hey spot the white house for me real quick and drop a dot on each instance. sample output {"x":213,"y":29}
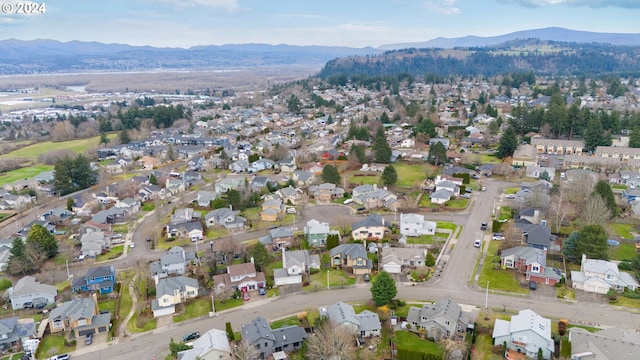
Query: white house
{"x":416,"y":225}
{"x":526,"y":333}
{"x":211,"y":345}
{"x":171,"y":291}
{"x":29,"y":290}
{"x":295,"y":264}
{"x":599,"y":276}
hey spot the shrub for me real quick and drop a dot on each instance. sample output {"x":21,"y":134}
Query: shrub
{"x":624,"y":265}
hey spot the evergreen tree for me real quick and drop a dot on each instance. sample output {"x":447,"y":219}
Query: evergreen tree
{"x":260,"y":256}
{"x":508,"y":143}
{"x":383,"y":289}
{"x":591,"y":240}
{"x":18,"y":262}
{"x":229,"y":331}
{"x":104,"y":139}
{"x":604,"y":191}
{"x":171,"y":155}
{"x":332,"y":241}
{"x":153,"y":180}
{"x":42,"y":240}
{"x":70,"y":203}
{"x":381,"y":147}
{"x":429,"y":260}
{"x":124,"y":137}
{"x":437,"y":154}
{"x":73,"y":174}
{"x":634,"y":138}
{"x":389,"y":175}
{"x":330,"y":174}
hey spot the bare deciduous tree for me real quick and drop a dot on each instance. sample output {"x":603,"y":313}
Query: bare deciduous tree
{"x":454,"y":350}
{"x":330,"y":342}
{"x":595,"y":211}
{"x":245,"y":351}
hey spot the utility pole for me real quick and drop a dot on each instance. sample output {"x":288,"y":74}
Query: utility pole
{"x":486,"y":300}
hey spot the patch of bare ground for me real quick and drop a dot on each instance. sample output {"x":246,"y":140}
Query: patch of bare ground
{"x":172,"y":81}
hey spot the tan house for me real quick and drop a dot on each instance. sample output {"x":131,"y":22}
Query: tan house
{"x":557,"y":147}
{"x":171,"y":291}
{"x":325,"y":192}
{"x":371,"y":228}
{"x":525,"y":155}
{"x":351,"y":257}
{"x":80,"y":316}
{"x":271,"y":209}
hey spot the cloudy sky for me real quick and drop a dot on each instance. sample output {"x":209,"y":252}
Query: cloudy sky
{"x":357,"y":23}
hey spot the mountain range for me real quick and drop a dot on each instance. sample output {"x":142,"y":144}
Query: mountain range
{"x":51,"y":56}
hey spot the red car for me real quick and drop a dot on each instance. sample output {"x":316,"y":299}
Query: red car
{"x":245,"y":296}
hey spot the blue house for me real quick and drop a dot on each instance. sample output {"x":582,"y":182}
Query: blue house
{"x":631,"y":194}
{"x":101,"y":278}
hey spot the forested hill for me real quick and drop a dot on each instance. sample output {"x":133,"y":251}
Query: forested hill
{"x":541,"y":57}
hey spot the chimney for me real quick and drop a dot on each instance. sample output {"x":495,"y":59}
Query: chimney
{"x":284,"y":261}
{"x":543,"y":223}
{"x":584,"y":258}
{"x":252,"y":260}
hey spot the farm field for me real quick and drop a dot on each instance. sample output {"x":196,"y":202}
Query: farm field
{"x":31,"y":152}
{"x":23,"y":173}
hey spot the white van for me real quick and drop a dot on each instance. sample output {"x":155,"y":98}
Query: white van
{"x":348,"y":201}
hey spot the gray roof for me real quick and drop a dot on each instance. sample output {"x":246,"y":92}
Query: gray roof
{"x":535,"y":234}
{"x":529,"y":254}
{"x":30,"y":285}
{"x":341,"y":313}
{"x":213,"y":339}
{"x":445,"y":308}
{"x":168,"y":286}
{"x":369,"y":221}
{"x":368,"y":321}
{"x":75,"y":309}
{"x":351,"y":250}
{"x":288,"y":335}
{"x":258,"y":329}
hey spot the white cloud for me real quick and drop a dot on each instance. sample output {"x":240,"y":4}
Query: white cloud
{"x":444,"y":7}
{"x":629,"y":4}
{"x":225,"y":5}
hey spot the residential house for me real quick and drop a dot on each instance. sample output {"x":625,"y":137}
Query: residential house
{"x":277,"y":238}
{"x":440,"y":196}
{"x":536,"y":171}
{"x":416,"y":225}
{"x":526,"y":333}
{"x":15,"y":202}
{"x":14,"y":331}
{"x":444,"y":319}
{"x":373,"y":198}
{"x":525,"y":155}
{"x":271,"y":210}
{"x":192,"y":230}
{"x":79,"y":316}
{"x":226,"y":218}
{"x":129,"y":205}
{"x":449,"y":185}
{"x":267,"y":341}
{"x":529,"y":214}
{"x":287,"y":165}
{"x":239,"y":166}
{"x":531,"y":262}
{"x":174,"y":262}
{"x":536,"y":235}
{"x":56,"y":215}
{"x":365,"y":324}
{"x":394,"y":260}
{"x":29,"y":291}
{"x":226,"y":184}
{"x":94,"y":243}
{"x":243,"y":277}
{"x":325,"y":192}
{"x":303,"y":178}
{"x":373,"y":227}
{"x":351,"y":257}
{"x":316,"y":233}
{"x":260,"y":182}
{"x":111,"y":215}
{"x":609,"y":343}
{"x":294,"y":265}
{"x":212,"y":345}
{"x":181,"y":216}
{"x":99,"y":278}
{"x":290,"y":195}
{"x":262,"y":164}
{"x":151,"y":192}
{"x":558,"y":147}
{"x":442,"y":140}
{"x":204,"y":198}
{"x":600,"y":276}
{"x":171,"y":291}
{"x":148,"y":162}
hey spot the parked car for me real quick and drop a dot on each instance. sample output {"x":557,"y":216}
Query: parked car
{"x":116,"y":236}
{"x":510,"y":196}
{"x":60,"y":357}
{"x":477,"y":243}
{"x":191,"y":336}
{"x":262,"y":291}
{"x":498,"y":236}
{"x":367,"y":277}
{"x":245,"y":296}
{"x":533,"y":285}
{"x":483,"y":227}
{"x":291,"y":210}
{"x":88,"y":340}
{"x":132,"y":245}
{"x":27,"y":305}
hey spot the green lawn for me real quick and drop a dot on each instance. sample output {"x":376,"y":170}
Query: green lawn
{"x":364,"y":178}
{"x":23,"y":173}
{"x":291,"y":320}
{"x":626,"y":302}
{"x":14,"y":356}
{"x":489,"y":159}
{"x":113,"y":253}
{"x":446,"y":225}
{"x":505,"y":213}
{"x":622,"y":230}
{"x":163,"y":244}
{"x":427,"y":239}
{"x":216,"y":233}
{"x":63,"y":285}
{"x":409,"y":340}
{"x":51,"y":345}
{"x":511,"y":190}
{"x":502,"y":280}
{"x":622,"y":252}
{"x":412,"y":175}
{"x":126,"y":303}
{"x":31,"y":152}
{"x":482,"y":348}
{"x":109,"y":305}
{"x":619,"y":187}
{"x":336,"y":278}
{"x":229,"y":304}
{"x":147,"y":324}
{"x":148,"y":206}
{"x":194,"y":308}
{"x":457,"y":203}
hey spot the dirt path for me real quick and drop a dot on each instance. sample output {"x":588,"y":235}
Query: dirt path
{"x":134,"y":306}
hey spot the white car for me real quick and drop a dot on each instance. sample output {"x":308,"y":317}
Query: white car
{"x":132,"y":245}
{"x":477,"y":243}
{"x":291,"y":210}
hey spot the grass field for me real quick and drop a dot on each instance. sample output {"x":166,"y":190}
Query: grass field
{"x":622,"y":230}
{"x":511,"y":190}
{"x":51,"y":345}
{"x":428,"y":239}
{"x":193,"y":309}
{"x":457,"y":203}
{"x":115,"y":252}
{"x":412,"y":175}
{"x":408,"y":340}
{"x":31,"y":152}
{"x":336,"y":278}
{"x":446,"y":225}
{"x":502,"y":280}
{"x":23,"y":173}
{"x":622,"y":252}
{"x":369,"y":178}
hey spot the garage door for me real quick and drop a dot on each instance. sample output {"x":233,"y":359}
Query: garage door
{"x":86,"y":332}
